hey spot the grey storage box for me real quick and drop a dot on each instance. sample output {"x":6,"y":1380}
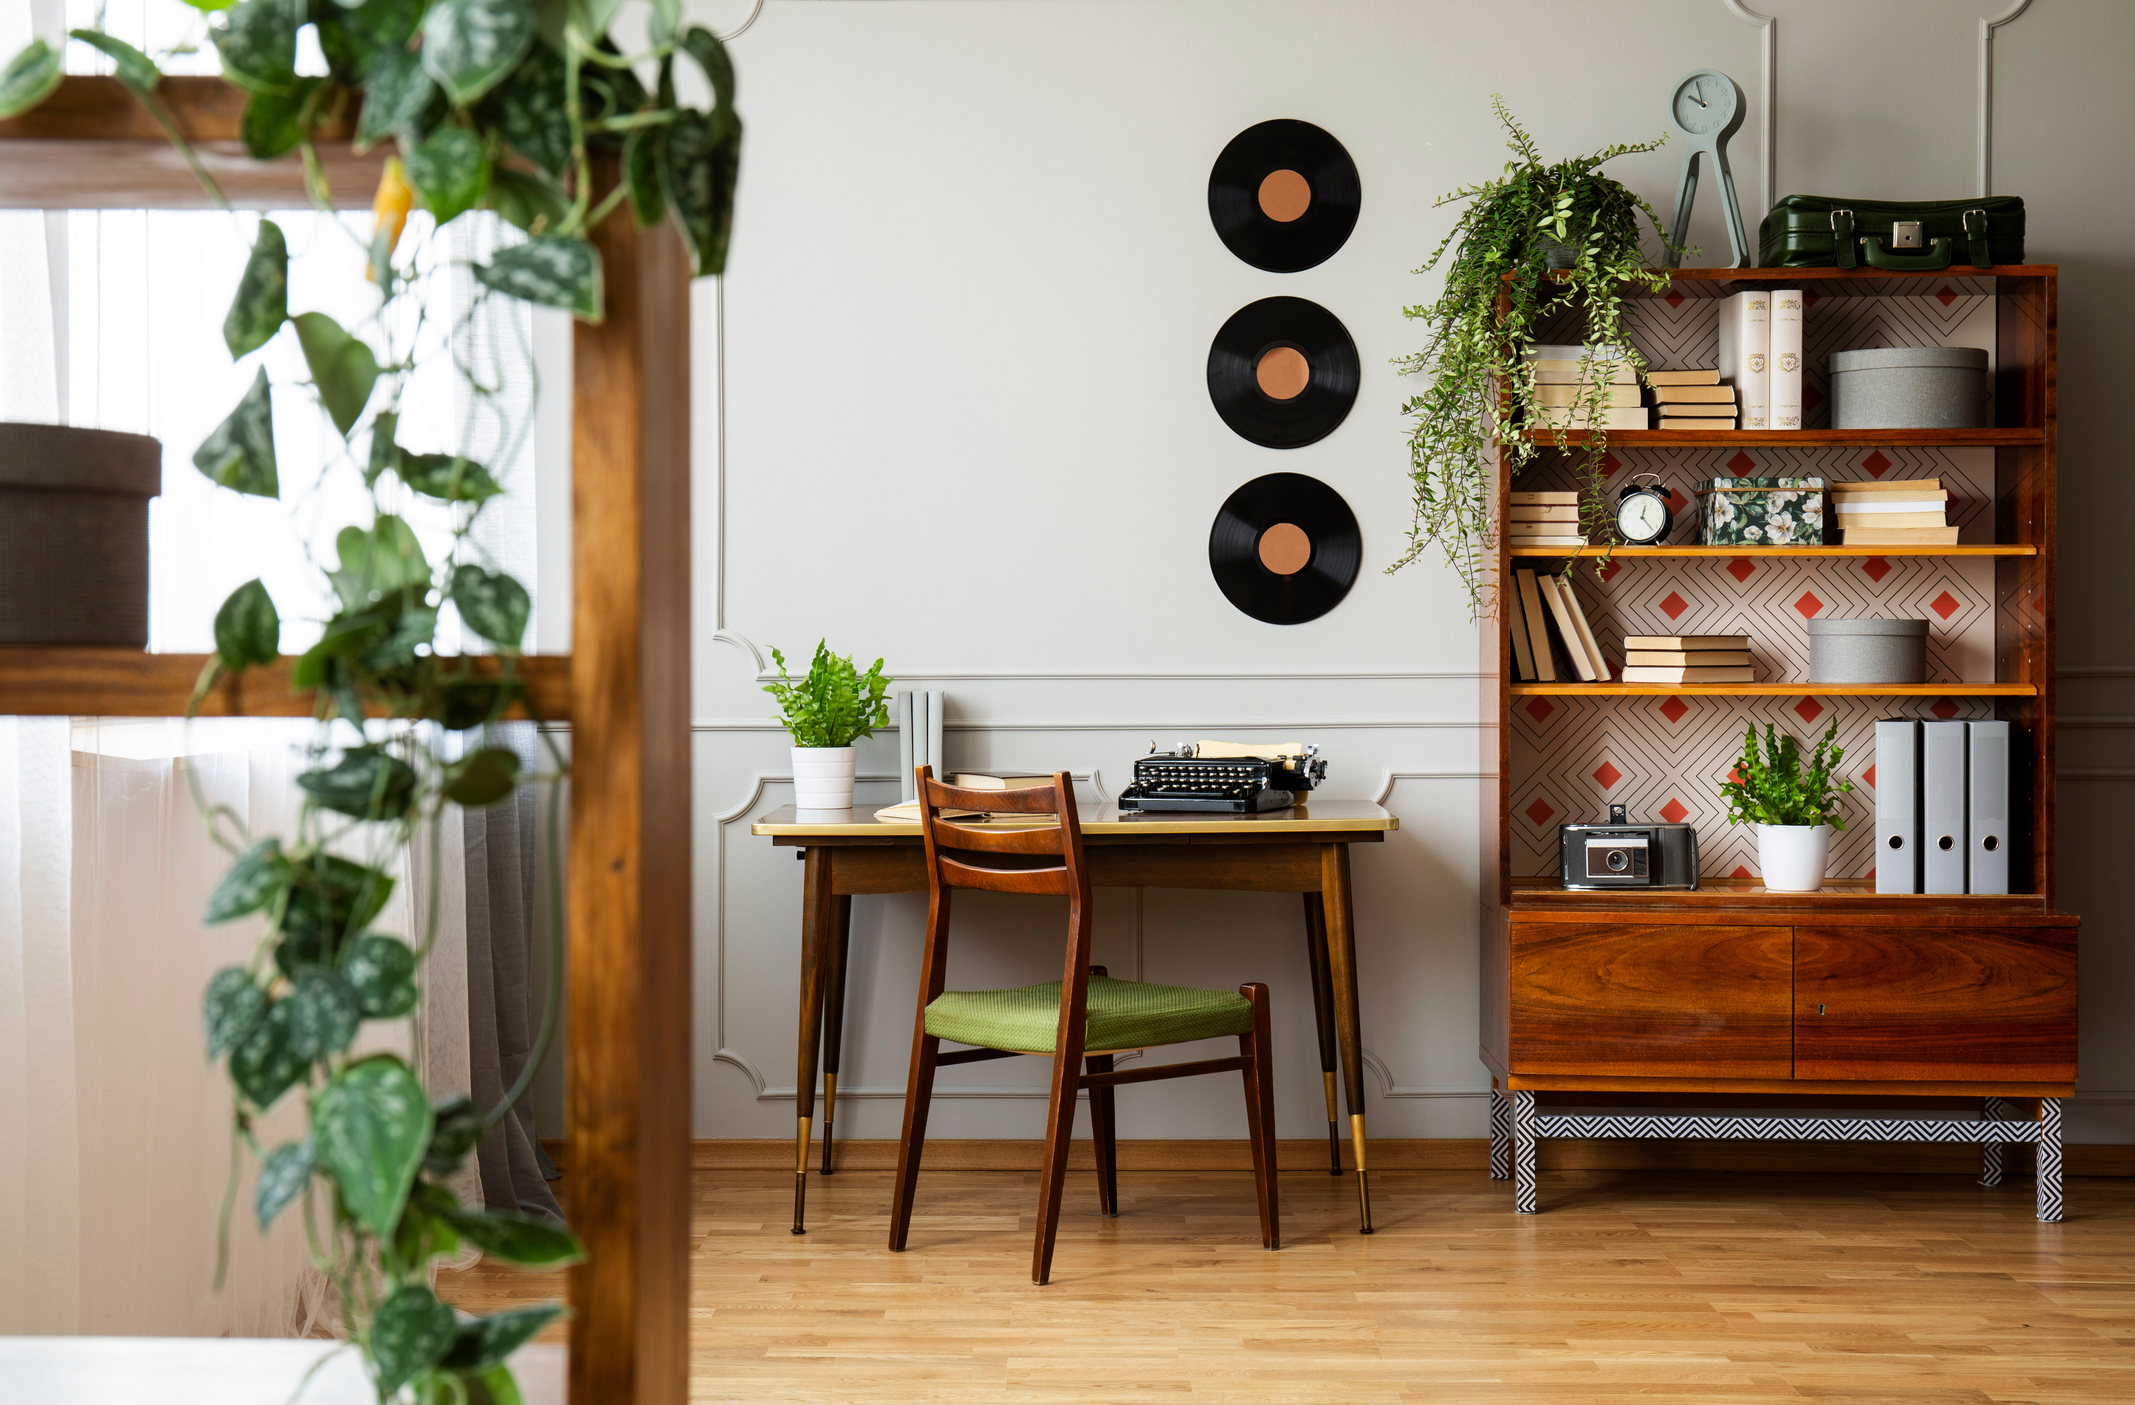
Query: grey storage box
{"x":1868,"y":651}
{"x":1909,"y":387}
{"x":74,"y":534}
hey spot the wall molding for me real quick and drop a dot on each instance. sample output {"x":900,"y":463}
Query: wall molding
{"x":1987,"y":27}
{"x":1130,"y":725}
{"x":2095,"y":670}
{"x":1767,"y":100}
{"x":2094,"y":773}
{"x":1389,"y":777}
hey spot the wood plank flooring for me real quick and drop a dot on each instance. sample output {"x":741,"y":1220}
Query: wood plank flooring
{"x":1846,"y":1289}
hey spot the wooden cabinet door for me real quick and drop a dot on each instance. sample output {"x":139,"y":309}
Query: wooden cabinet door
{"x":1970,"y":1003}
{"x":1626,"y":1001}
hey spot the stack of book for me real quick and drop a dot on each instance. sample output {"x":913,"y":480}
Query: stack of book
{"x":1761,"y":355}
{"x":1547,"y":624}
{"x":1687,"y":658}
{"x":1543,"y":522}
{"x":1565,"y":392}
{"x":1910,"y":513}
{"x":1692,"y":399}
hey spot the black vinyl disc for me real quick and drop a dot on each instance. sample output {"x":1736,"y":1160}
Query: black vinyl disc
{"x":1285,"y":548}
{"x":1283,"y":372}
{"x":1284,"y":195}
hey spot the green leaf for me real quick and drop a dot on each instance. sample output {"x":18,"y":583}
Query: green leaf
{"x":209,"y":7}
{"x":273,"y":123}
{"x":470,"y":702}
{"x":447,"y":477}
{"x":470,"y":45}
{"x":330,"y":900}
{"x":381,"y":970}
{"x":262,"y":301}
{"x":529,"y":202}
{"x":644,"y":156}
{"x":352,"y":38}
{"x":265,"y":1064}
{"x":483,"y":778}
{"x":247,"y":629}
{"x":384,"y":451}
{"x":367,"y":783}
{"x":529,"y":110}
{"x":490,"y":1341}
{"x":370,"y":1126}
{"x":417,"y":626}
{"x":396,"y":97}
{"x":491,"y":604}
{"x":343,"y":370}
{"x":549,"y":270}
{"x":258,"y":44}
{"x":422,"y":1236}
{"x":379,"y":562}
{"x":29,"y":78}
{"x":494,"y":1386}
{"x":711,"y":56}
{"x":135,"y":69}
{"x":409,"y":1334}
{"x":703,"y":160}
{"x":282,"y":1177}
{"x":458,"y":1128}
{"x":325,"y":1013}
{"x":450,"y":172}
{"x":250,"y":883}
{"x":518,"y":1239}
{"x":240,"y":453}
{"x":666,"y":18}
{"x":227,"y":1011}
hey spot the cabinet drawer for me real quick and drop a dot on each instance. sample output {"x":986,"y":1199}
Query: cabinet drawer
{"x":1655,"y":1002}
{"x":1913,"y":1002}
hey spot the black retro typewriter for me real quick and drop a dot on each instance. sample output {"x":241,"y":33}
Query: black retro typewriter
{"x":1223,"y":777}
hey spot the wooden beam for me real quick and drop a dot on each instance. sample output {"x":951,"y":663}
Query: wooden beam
{"x":628,"y":1059}
{"x":97,"y":682}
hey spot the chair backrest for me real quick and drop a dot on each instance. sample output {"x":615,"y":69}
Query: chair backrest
{"x":1044,"y":859}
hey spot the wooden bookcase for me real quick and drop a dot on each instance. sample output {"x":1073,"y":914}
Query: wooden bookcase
{"x":1733,"y":993}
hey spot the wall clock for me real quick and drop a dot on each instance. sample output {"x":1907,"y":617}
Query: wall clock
{"x":1707,"y":109}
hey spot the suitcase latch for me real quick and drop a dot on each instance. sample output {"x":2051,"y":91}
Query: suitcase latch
{"x":1907,"y":234}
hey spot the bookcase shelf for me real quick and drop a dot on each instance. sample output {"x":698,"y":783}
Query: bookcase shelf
{"x":92,"y":681}
{"x":1796,"y":438}
{"x":1727,"y":552}
{"x":1775,"y":690}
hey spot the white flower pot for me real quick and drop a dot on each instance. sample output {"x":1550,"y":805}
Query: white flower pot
{"x":1791,"y":857}
{"x":823,"y":777}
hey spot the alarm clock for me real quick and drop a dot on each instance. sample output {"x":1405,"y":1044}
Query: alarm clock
{"x":1706,"y":107}
{"x":1643,"y":516}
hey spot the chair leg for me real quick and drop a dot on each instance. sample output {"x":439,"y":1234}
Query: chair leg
{"x":1258,"y":1049}
{"x":918,"y":1094}
{"x":1104,"y":1139}
{"x":1052,"y":1176}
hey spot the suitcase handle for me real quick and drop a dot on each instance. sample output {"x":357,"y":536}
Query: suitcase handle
{"x":1937,"y":256}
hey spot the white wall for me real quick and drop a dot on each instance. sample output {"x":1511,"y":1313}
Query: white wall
{"x":971,"y":294}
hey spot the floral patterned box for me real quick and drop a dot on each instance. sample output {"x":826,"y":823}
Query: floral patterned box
{"x":1761,"y":512}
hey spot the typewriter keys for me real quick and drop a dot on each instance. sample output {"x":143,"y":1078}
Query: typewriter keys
{"x":1283,"y":372}
{"x":1285,"y":548}
{"x":1284,"y":195}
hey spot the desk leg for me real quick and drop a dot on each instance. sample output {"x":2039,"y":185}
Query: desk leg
{"x":1323,"y":1019}
{"x":834,"y":1016}
{"x":1342,"y":966}
{"x":818,"y":918}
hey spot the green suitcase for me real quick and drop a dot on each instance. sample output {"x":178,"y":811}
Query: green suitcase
{"x":1816,"y":231}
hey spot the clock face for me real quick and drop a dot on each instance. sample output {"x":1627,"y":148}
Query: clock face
{"x":1641,"y":517}
{"x":1704,"y":102}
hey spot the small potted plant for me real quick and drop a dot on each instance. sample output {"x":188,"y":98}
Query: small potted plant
{"x":1795,"y":808}
{"x":827,"y":709}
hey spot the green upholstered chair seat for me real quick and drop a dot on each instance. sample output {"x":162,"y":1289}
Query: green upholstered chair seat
{"x":1123,"y":1015}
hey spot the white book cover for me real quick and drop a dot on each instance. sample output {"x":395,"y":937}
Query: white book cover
{"x":1745,"y":346}
{"x":1786,"y":356}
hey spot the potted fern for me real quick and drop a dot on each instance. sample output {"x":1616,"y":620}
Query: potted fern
{"x":829,"y":708}
{"x":1795,"y":807}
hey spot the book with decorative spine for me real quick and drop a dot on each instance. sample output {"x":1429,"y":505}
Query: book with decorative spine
{"x":1745,"y":347}
{"x":1786,"y":354}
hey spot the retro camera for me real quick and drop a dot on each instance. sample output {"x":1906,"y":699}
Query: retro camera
{"x":1624,"y":855}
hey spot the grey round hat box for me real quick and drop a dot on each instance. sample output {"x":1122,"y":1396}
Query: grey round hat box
{"x":1868,"y":651}
{"x":74,"y":534}
{"x":1909,"y":387}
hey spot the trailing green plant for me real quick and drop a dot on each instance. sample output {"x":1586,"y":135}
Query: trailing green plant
{"x":1499,"y":287}
{"x":833,"y":703}
{"x":1774,"y":787}
{"x":491,"y":104}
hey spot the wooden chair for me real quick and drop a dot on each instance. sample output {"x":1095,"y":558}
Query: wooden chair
{"x":1085,"y":1017}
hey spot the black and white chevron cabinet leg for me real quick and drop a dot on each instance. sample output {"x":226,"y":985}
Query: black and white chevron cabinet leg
{"x":1500,"y":1135}
{"x":1524,"y":1131}
{"x":1991,"y":1169}
{"x":2050,"y":1160}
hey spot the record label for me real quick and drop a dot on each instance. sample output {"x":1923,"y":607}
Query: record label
{"x":1284,"y":195}
{"x":1285,"y":548}
{"x":1283,"y":372}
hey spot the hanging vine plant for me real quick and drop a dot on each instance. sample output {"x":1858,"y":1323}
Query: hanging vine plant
{"x":1552,"y":239}
{"x":489,"y":104}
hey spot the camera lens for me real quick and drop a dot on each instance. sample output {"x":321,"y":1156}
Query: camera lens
{"x":1618,"y":861}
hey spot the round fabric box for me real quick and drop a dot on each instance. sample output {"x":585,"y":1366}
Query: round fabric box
{"x":1868,"y":651}
{"x":74,"y":534}
{"x":1909,"y":387}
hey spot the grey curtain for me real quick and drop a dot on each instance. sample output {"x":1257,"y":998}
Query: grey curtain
{"x":507,"y":970}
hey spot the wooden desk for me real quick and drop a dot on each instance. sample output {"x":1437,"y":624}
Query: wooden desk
{"x":1304,"y":850}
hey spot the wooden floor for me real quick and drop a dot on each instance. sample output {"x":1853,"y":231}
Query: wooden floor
{"x":1629,"y":1285}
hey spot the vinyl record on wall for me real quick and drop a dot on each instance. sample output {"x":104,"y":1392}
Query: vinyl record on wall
{"x":1284,"y":195}
{"x":1283,"y":372}
{"x":1285,"y":548}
